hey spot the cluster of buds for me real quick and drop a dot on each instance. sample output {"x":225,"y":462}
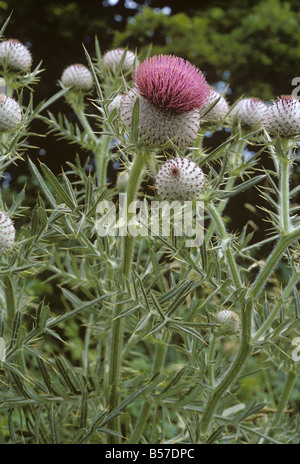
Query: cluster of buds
{"x":171,"y":92}
{"x":78,"y":77}
{"x":7,"y":234}
{"x":179,"y":179}
{"x":15,"y":56}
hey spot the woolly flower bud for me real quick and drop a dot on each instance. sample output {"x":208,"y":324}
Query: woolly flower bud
{"x":16,"y":55}
{"x":219,"y":111}
{"x":112,"y":59}
{"x":10,"y":113}
{"x":7,"y":234}
{"x":171,"y":83}
{"x":179,"y":179}
{"x":283,"y":117}
{"x":78,"y":76}
{"x":249,"y":111}
{"x":229,"y":320}
{"x":158,"y":126}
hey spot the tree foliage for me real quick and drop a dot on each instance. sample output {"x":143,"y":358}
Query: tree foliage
{"x":260,"y":45}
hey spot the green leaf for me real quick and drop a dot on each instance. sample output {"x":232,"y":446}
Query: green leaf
{"x":42,"y":184}
{"x":57,"y":187}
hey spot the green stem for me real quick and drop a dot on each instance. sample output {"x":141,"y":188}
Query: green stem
{"x":102,"y":158}
{"x":211,"y":355}
{"x":287,"y":390}
{"x":161,"y":349}
{"x":284,"y":196}
{"x":220,"y":208}
{"x":116,"y":338}
{"x":284,"y":295}
{"x":232,"y":373}
{"x":225,"y":239}
{"x":271,"y":263}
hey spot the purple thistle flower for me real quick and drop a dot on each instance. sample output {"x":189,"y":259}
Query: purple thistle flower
{"x":172,"y":83}
{"x":170,"y":92}
{"x":283,"y":117}
{"x":158,"y":126}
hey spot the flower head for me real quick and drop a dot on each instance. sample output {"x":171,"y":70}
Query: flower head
{"x":171,"y":83}
{"x":15,"y":55}
{"x":283,"y":117}
{"x":78,"y":76}
{"x":249,"y":111}
{"x":158,"y":126}
{"x":170,"y":92}
{"x":229,"y":320}
{"x":7,"y":234}
{"x":113,"y":58}
{"x":219,"y":111}
{"x":179,"y":179}
{"x":10,"y":113}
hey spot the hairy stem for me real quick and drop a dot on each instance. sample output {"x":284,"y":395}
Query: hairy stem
{"x":116,"y":338}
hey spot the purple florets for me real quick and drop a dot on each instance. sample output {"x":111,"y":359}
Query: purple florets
{"x":171,"y":83}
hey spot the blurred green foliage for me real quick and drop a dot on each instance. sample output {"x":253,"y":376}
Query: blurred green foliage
{"x":258,"y":43}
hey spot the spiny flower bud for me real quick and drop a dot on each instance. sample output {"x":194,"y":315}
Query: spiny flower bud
{"x":7,"y":234}
{"x":179,"y":179}
{"x":218,"y":112}
{"x":170,"y":92}
{"x":78,"y":76}
{"x":10,"y":113}
{"x":229,"y":320}
{"x":16,"y":55}
{"x":283,"y":117}
{"x":113,"y":58}
{"x":249,"y":111}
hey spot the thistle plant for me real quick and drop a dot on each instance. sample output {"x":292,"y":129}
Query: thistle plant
{"x":113,"y":331}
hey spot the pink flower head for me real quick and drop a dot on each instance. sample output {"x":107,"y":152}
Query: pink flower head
{"x":283,"y":117}
{"x":171,"y":83}
{"x":170,"y":92}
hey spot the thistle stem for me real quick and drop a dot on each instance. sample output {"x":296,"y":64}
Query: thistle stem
{"x":225,"y":240}
{"x":287,"y":390}
{"x":116,"y":338}
{"x":161,"y":349}
{"x":284,"y":200}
